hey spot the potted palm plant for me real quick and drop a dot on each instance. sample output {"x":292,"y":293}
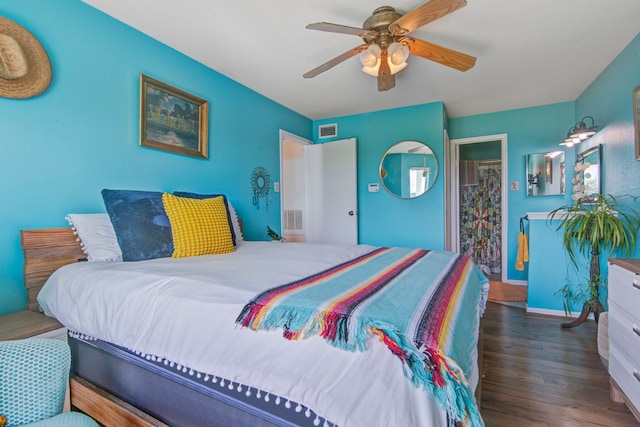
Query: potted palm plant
{"x":591,"y":225}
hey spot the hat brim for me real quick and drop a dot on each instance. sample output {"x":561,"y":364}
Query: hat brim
{"x":38,"y":76}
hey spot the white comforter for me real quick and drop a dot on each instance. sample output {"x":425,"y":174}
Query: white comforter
{"x":184,"y":310}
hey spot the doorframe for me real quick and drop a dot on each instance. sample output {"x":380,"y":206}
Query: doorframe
{"x":453,"y":201}
{"x":285,"y":135}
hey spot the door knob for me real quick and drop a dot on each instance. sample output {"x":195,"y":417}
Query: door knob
{"x":352,"y":213}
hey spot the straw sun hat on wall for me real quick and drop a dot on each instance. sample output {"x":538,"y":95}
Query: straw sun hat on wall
{"x":25,"y":70}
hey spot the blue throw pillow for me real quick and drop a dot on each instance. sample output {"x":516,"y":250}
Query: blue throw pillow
{"x":209,"y":196}
{"x":140,"y":222}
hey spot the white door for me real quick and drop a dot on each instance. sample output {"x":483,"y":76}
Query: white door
{"x":332,"y":195}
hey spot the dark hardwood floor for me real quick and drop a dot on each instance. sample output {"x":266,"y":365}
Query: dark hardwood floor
{"x":537,"y":374}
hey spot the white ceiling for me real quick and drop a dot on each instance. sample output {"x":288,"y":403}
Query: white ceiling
{"x":529,"y":52}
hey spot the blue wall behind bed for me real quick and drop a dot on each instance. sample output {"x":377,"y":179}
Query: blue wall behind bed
{"x":61,"y":148}
{"x":382,"y":218}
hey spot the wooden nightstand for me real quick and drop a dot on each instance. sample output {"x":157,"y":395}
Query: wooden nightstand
{"x":28,"y":324}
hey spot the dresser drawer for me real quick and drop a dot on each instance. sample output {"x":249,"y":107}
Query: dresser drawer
{"x":626,"y":375}
{"x":624,"y":331}
{"x":624,"y":289}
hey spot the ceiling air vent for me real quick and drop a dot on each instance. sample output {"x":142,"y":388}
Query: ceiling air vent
{"x":328,"y":131}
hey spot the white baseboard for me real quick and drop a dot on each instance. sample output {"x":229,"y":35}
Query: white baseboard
{"x":555,"y":313}
{"x":518,"y":282}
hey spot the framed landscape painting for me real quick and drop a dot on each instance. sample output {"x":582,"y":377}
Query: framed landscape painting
{"x":172,"y":119}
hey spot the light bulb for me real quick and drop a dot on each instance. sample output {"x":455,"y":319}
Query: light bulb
{"x":398,"y":53}
{"x":370,"y":57}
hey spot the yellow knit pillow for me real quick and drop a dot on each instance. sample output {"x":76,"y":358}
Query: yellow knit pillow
{"x":198,"y":226}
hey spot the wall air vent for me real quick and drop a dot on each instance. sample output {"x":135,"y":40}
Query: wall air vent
{"x":328,"y":131}
{"x":293,"y":220}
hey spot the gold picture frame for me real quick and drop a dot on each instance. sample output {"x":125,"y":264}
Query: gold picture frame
{"x":172,"y":119}
{"x":636,"y":120}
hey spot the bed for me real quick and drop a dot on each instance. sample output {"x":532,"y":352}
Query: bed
{"x":166,"y":335}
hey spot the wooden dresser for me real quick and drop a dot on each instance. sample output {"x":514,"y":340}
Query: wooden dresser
{"x":624,"y":331}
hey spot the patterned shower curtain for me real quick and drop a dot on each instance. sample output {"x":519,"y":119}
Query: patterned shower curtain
{"x":481,"y":214}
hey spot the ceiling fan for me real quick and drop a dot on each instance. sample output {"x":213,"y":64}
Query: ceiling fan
{"x":386,"y":43}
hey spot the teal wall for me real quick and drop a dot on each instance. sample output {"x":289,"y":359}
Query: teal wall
{"x":382,"y":218}
{"x":609,"y":101}
{"x":529,"y":130}
{"x":61,"y":148}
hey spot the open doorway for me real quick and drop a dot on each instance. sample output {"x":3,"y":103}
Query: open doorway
{"x":318,"y":190}
{"x":478,"y":201}
{"x":294,"y":186}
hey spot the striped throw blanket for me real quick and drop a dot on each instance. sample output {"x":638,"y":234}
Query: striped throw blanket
{"x":424,"y":305}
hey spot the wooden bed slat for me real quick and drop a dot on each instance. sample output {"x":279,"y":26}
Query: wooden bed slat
{"x":48,"y":238}
{"x":106,"y":408}
{"x":37,"y":272}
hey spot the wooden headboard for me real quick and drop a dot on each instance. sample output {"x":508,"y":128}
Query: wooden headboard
{"x":46,"y":250}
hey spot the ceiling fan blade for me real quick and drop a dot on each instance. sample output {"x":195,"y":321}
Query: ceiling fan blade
{"x":343,"y":29}
{"x":421,"y":15}
{"x":439,"y":54}
{"x":335,"y":61}
{"x":386,"y":80}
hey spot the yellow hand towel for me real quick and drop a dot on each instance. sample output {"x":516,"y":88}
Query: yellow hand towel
{"x":522,"y":244}
{"x":525,"y":245}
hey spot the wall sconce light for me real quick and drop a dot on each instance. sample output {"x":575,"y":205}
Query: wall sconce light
{"x":535,"y":179}
{"x":580,"y":132}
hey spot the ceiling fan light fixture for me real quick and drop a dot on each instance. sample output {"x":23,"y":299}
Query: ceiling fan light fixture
{"x":396,"y":58}
{"x":370,"y":57}
{"x":372,"y":71}
{"x":385,"y":36}
{"x":395,"y":68}
{"x":398,"y":54}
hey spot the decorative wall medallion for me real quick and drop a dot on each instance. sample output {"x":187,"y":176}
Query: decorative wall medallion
{"x":261,"y":186}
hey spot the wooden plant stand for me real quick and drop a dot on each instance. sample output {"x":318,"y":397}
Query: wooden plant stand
{"x":593,"y":305}
{"x":587,"y":308}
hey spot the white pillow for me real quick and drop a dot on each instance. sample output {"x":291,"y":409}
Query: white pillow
{"x":235,"y":223}
{"x":97,"y":236}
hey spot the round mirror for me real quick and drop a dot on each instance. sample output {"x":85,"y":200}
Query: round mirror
{"x":408,"y":169}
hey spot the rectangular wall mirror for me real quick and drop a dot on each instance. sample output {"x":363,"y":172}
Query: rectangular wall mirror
{"x":546,"y":174}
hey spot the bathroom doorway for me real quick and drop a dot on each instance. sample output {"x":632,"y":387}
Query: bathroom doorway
{"x":478,"y":200}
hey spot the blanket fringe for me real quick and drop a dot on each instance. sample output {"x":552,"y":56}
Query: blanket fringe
{"x":438,"y":374}
{"x":426,"y":367}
